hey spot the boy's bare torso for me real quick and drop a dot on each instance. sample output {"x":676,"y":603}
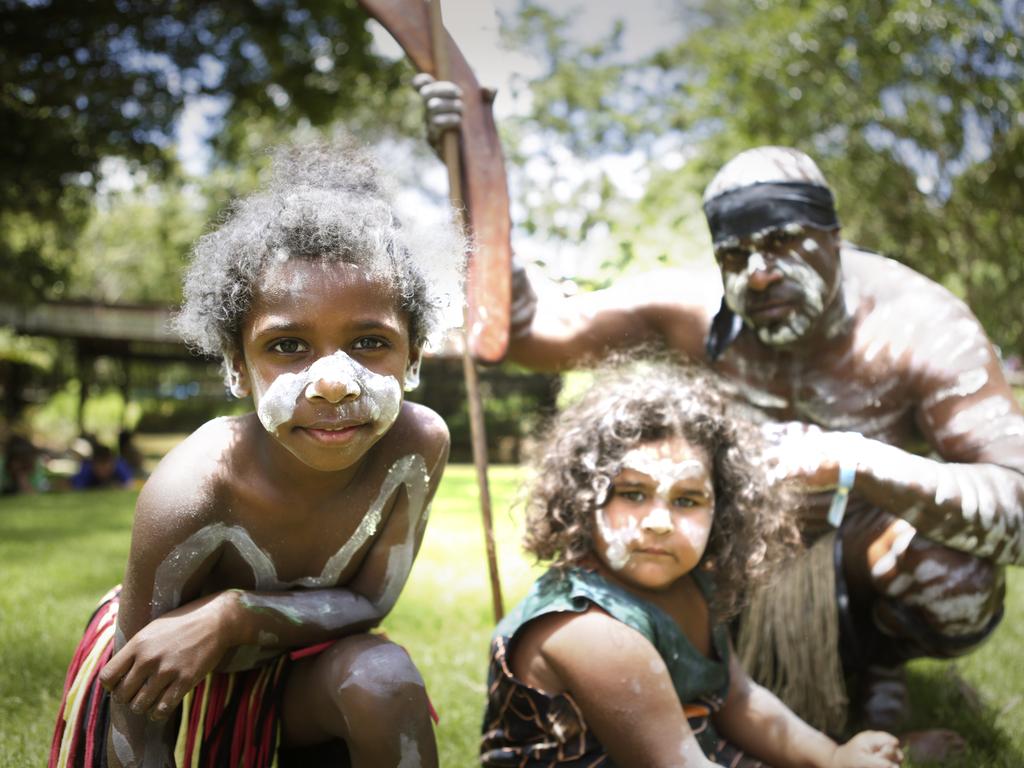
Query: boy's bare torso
{"x":240,"y":525}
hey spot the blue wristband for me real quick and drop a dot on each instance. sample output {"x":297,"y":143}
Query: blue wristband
{"x":847,"y":475}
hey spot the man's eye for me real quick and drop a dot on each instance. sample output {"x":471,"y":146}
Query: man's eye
{"x":732,"y":258}
{"x":780,"y":240}
{"x":288,"y":346}
{"x":370,"y":342}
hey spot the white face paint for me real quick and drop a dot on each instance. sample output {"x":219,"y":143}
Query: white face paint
{"x":618,"y":539}
{"x":412,"y":373}
{"x":368,"y":396}
{"x":234,"y":380}
{"x":814,"y":295}
{"x":665,"y":471}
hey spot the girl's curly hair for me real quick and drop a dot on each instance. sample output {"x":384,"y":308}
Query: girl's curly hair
{"x":325,"y":201}
{"x":631,"y":403}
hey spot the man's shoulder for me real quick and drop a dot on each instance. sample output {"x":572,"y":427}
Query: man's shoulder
{"x":887,"y":282}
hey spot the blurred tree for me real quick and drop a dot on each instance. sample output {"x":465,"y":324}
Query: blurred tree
{"x":83,"y":80}
{"x":913,"y":108}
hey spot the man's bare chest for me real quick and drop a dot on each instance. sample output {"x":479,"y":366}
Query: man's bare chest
{"x":843,"y":393}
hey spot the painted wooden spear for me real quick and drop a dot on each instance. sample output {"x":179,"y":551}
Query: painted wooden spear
{"x":477,"y":187}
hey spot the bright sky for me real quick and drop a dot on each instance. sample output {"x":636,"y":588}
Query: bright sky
{"x":474,"y":24}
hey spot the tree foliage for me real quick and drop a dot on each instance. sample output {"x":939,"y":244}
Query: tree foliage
{"x":83,"y":80}
{"x":913,"y":108}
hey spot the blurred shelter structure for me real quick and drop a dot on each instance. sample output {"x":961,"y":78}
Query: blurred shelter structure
{"x":137,"y":335}
{"x":126,"y":332}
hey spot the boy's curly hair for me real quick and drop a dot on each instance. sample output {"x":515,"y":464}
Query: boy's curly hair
{"x":631,"y":403}
{"x":325,"y":201}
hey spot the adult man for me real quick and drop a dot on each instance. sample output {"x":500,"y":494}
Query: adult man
{"x":876,"y":365}
{"x":880,"y":384}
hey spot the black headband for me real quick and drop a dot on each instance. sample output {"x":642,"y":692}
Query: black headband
{"x":769,"y":205}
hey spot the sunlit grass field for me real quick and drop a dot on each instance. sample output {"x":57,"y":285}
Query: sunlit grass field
{"x":60,"y":553}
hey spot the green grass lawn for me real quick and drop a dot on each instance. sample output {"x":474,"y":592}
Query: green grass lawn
{"x":60,"y":553}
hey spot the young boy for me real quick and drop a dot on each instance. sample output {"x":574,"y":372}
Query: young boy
{"x":293,"y":527}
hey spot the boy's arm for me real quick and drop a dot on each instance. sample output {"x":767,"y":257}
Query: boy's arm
{"x":164,"y":658}
{"x":756,"y":721}
{"x":142,"y":684}
{"x":640,"y":722}
{"x":297,"y":618}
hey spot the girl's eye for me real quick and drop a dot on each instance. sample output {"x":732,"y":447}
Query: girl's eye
{"x":288,"y":346}
{"x":684,"y":501}
{"x":370,"y":342}
{"x":632,"y":495}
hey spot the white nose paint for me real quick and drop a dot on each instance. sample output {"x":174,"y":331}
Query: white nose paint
{"x":371,"y":397}
{"x":658,"y":521}
{"x":334,"y":378}
{"x":756,"y":263}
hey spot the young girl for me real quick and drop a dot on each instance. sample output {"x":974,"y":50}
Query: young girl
{"x":656,"y":522}
{"x":266,"y":545}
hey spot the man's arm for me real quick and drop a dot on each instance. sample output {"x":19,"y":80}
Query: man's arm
{"x":973,"y":498}
{"x":552,"y":333}
{"x":670,"y":307}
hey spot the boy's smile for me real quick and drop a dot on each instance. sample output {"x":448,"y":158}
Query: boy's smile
{"x":655,"y":526}
{"x":325,"y":351}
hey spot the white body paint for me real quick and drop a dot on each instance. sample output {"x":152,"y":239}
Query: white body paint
{"x":887,"y":562}
{"x":185,"y":559}
{"x":764,"y":165}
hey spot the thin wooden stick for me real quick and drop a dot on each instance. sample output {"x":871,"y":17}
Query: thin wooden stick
{"x":477,"y":429}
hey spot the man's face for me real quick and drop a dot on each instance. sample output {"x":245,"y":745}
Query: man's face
{"x":781,"y":280}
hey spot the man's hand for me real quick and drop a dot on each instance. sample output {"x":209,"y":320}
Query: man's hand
{"x":809,"y":455}
{"x":168,"y":657}
{"x":442,"y":102}
{"x":868,"y":749}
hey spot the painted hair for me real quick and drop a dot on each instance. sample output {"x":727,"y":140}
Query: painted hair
{"x":765,"y":165}
{"x":327,"y":202}
{"x":632,"y":403}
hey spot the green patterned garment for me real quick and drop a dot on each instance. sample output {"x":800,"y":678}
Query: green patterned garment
{"x":526,"y":728}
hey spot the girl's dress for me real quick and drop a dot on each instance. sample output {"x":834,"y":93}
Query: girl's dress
{"x":529,"y":729}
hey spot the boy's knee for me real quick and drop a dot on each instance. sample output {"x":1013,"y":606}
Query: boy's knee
{"x":374,"y":679}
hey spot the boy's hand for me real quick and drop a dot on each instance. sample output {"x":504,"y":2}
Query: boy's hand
{"x":168,"y":657}
{"x":868,"y":749}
